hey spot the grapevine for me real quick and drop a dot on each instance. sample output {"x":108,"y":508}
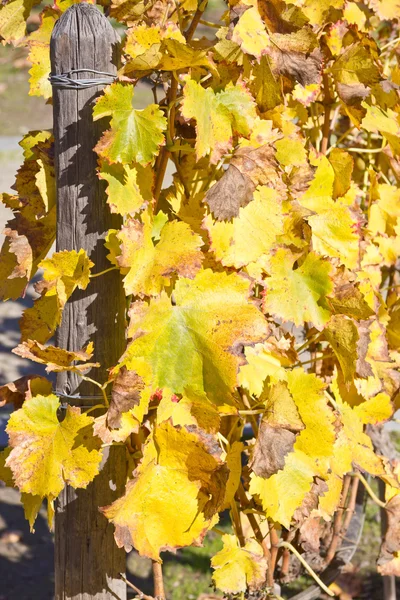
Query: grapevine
{"x":262,"y":281}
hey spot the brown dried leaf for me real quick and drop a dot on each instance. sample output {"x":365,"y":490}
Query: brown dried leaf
{"x":23,"y":389}
{"x":389,"y":556}
{"x":249,"y":167}
{"x":55,"y":358}
{"x":125,"y":394}
{"x":277,"y":434}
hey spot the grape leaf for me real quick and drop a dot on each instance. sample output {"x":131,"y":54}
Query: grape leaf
{"x":238,"y":569}
{"x":191,"y":409}
{"x":298,"y":295}
{"x":23,"y":389}
{"x":13,"y":16}
{"x":334,"y":228}
{"x":39,"y":54}
{"x":129,"y":187}
{"x":250,"y":34}
{"x":177,"y":489}
{"x":46,"y":454}
{"x":56,"y":359}
{"x":30,"y":234}
{"x":218,"y":116}
{"x":149,"y":266}
{"x":62,"y":274}
{"x":135,"y":135}
{"x":261,"y":221}
{"x":203,"y":332}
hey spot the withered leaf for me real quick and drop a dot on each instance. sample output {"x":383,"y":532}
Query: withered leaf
{"x":389,"y":561}
{"x":125,"y":395}
{"x":249,"y":167}
{"x":24,"y":388}
{"x":277,"y":434}
{"x":233,"y":191}
{"x":352,"y":93}
{"x":272,"y":446}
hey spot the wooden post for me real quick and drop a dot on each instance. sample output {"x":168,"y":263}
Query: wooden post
{"x":87,"y":560}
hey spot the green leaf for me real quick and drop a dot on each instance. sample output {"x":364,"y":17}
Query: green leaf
{"x":135,"y":135}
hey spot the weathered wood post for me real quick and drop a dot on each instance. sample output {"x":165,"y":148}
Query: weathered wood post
{"x":87,"y":560}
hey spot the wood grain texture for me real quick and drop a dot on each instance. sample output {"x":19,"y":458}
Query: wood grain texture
{"x":87,"y":560}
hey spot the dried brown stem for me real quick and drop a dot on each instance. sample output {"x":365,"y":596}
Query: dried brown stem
{"x":326,"y":128}
{"x":195,"y":21}
{"x":159,"y":592}
{"x":274,"y":553}
{"x":136,"y":589}
{"x":337,"y":523}
{"x":255,"y":526}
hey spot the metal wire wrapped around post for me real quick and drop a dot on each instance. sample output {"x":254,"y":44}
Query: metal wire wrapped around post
{"x":66,"y":81}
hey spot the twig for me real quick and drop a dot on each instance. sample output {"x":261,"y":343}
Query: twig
{"x":236,"y":522}
{"x":158,"y":581}
{"x":254,"y":525}
{"x":196,"y":19}
{"x":307,"y":567}
{"x":140,"y":594}
{"x":326,"y":128}
{"x":161,"y":165}
{"x":273,"y":536}
{"x":337,"y":524}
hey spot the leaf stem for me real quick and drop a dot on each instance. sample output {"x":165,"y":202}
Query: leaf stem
{"x":103,"y":272}
{"x":158,"y":581}
{"x":368,"y":489}
{"x":288,"y":545}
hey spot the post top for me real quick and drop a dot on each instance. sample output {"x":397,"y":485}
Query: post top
{"x":84,"y":20}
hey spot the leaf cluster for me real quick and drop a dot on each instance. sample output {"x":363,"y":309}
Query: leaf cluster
{"x":262,"y":280}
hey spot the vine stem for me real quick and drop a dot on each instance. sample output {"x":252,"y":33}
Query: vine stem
{"x":92,"y":276}
{"x":139,"y":593}
{"x":237,"y":523}
{"x":255,"y":527}
{"x":161,"y":167}
{"x":97,"y":384}
{"x":158,"y":581}
{"x":195,"y":21}
{"x":288,"y":545}
{"x":326,"y":128}
{"x":337,"y":524}
{"x":369,"y":490}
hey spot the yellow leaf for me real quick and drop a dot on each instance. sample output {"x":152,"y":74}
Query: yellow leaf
{"x":298,"y":295}
{"x":176,"y":492}
{"x":218,"y":116}
{"x":238,"y":569}
{"x":191,"y":409}
{"x":55,"y":358}
{"x":261,"y":221}
{"x":149,"y":267}
{"x":63,"y":273}
{"x":192,"y":343}
{"x":46,"y":454}
{"x":266,"y":360}
{"x":375,"y":410}
{"x":39,"y":54}
{"x":13,"y":17}
{"x":284,"y":492}
{"x":250,"y":33}
{"x":333,"y":226}
{"x":234,"y":462}
{"x":290,"y":152}
{"x":129,"y":187}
